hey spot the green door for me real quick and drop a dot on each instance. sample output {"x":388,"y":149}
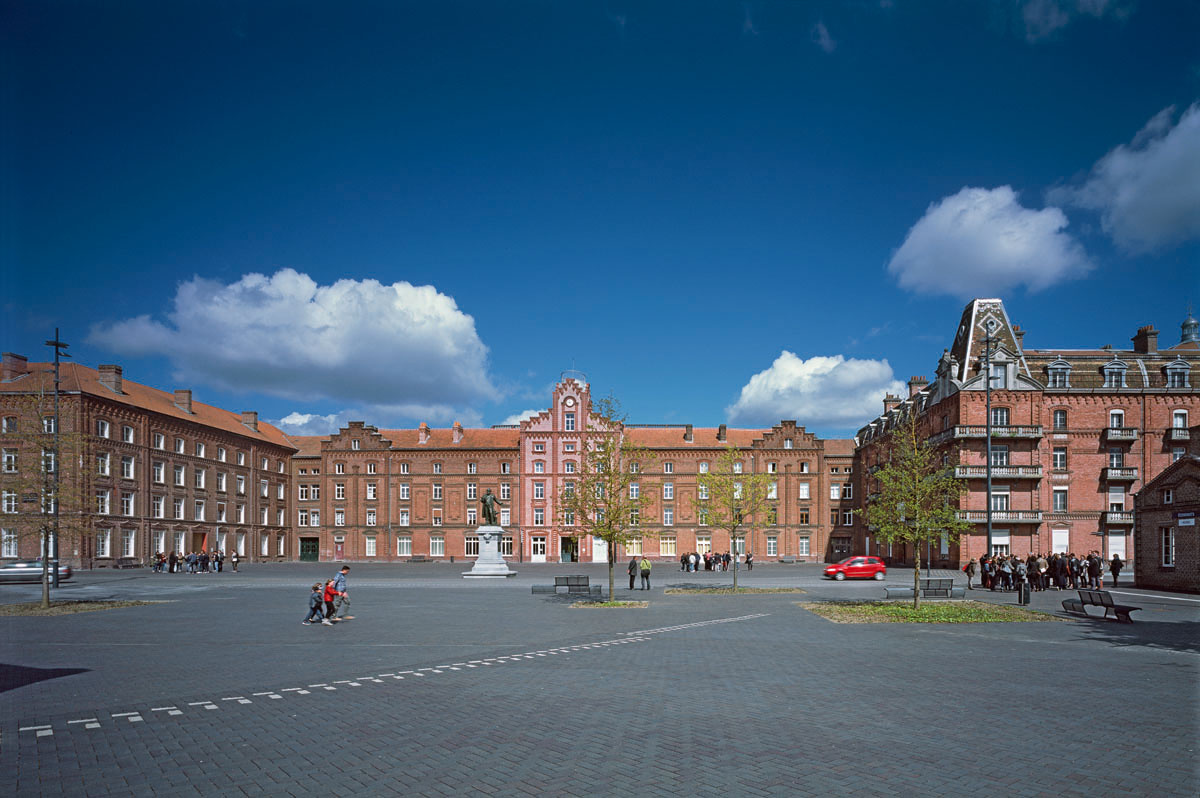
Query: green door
{"x":309,"y":549}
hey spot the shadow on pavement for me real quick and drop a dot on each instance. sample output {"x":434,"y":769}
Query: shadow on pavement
{"x":14,"y":676}
{"x":1176,"y":636}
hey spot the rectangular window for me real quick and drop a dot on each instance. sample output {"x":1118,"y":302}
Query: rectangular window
{"x":437,"y":468}
{"x":266,"y":464}
{"x":569,"y":422}
{"x":472,"y":516}
{"x":200,"y":475}
{"x":999,"y":377}
{"x":1177,"y":453}
{"x":703,"y":544}
{"x":302,"y":492}
{"x":199,"y":449}
{"x":437,"y":546}
{"x":1000,"y":416}
{"x":264,"y":547}
{"x":437,"y":490}
{"x":472,"y":468}
{"x":635,"y":517}
{"x":847,"y":489}
{"x":8,"y":543}
{"x":569,"y":446}
{"x":539,"y":516}
{"x":1168,"y":496}
{"x":354,"y":444}
{"x":370,"y":468}
{"x":101,"y":428}
{"x":772,"y":546}
{"x":1000,"y":499}
{"x":221,"y":454}
{"x":127,"y":437}
{"x":471,"y":546}
{"x":835,"y":491}
{"x":264,"y":488}
{"x":703,"y":468}
{"x":221,"y":475}
{"x":339,"y":468}
{"x":127,"y":542}
{"x":127,"y":502}
{"x":539,"y":467}
{"x":847,"y":518}
{"x":666,"y":546}
{"x":505,"y":490}
{"x":1116,"y":419}
{"x":787,"y":443}
{"x":102,"y":464}
{"x":404,"y":492}
{"x":505,"y":517}
{"x":1059,"y":461}
{"x":668,"y":516}
{"x":999,"y":455}
{"x":1116,"y":498}
{"x":1060,"y":500}
{"x":241,"y":514}
{"x":180,"y":476}
{"x":1060,"y":419}
{"x":539,"y":490}
{"x":316,"y":517}
{"x":241,"y":484}
{"x":634,"y":490}
{"x":1116,"y":458}
{"x":372,"y":488}
{"x":1168,"y":546}
{"x":668,"y":490}
{"x":802,"y":491}
{"x":10,"y":501}
{"x":569,"y":467}
{"x":179,"y":444}
{"x":103,"y":543}
{"x":437,"y":517}
{"x":802,"y":545}
{"x":370,"y":518}
{"x":506,"y":545}
{"x":668,"y":468}
{"x":737,"y":467}
{"x":472,"y":490}
{"x":302,"y":518}
{"x":102,"y":502}
{"x":539,"y":447}
{"x":339,"y":491}
{"x":199,"y":515}
{"x":634,"y":547}
{"x":505,"y":468}
{"x":404,"y":546}
{"x":404,"y":468}
{"x":177,"y":507}
{"x":339,"y":517}
{"x":158,"y":507}
{"x":10,"y":461}
{"x":370,"y":545}
{"x":403,"y":518}
{"x":701,"y":517}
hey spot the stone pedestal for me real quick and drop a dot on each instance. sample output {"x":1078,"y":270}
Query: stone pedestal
{"x":489,"y":565}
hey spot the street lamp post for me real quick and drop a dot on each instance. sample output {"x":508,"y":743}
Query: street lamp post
{"x":59,"y":346}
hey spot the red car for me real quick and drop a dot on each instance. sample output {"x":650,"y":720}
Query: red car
{"x":860,"y":567}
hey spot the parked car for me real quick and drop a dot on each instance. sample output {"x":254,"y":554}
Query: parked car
{"x":860,"y":567}
{"x":14,"y":571}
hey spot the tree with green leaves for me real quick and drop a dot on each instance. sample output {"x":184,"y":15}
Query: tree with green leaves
{"x":729,"y":498}
{"x":42,"y":473}
{"x":605,"y":499}
{"x":917,"y":499}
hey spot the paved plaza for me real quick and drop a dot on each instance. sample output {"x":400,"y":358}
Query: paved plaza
{"x":442,"y":686}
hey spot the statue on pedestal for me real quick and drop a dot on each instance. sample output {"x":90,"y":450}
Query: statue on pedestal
{"x":491,"y":516}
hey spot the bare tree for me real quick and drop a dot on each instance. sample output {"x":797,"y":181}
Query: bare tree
{"x":728,"y":498}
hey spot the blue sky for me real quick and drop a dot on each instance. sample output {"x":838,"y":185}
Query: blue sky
{"x":719,"y":211}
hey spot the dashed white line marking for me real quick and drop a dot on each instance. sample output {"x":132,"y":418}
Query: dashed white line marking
{"x":33,"y":728}
{"x":124,"y":714}
{"x":160,"y":709}
{"x":82,"y":720}
{"x":50,"y":732}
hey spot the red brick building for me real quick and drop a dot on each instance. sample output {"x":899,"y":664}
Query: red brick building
{"x":156,"y":471}
{"x":1075,"y":433}
{"x":387,"y":495}
{"x":1168,"y":528}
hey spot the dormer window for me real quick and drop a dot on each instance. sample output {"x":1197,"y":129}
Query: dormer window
{"x":1114,"y":374}
{"x":1060,"y":374}
{"x":1177,"y":374}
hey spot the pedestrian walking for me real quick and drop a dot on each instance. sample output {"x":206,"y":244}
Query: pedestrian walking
{"x":315,"y":604}
{"x":1114,"y":567}
{"x":328,"y":594}
{"x":645,"y":568}
{"x":633,"y":570}
{"x":749,"y":561}
{"x":970,"y":569}
{"x":343,"y":595}
{"x":234,"y":559}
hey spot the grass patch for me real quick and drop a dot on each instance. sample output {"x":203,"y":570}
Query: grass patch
{"x":729,"y":591}
{"x":929,"y":612}
{"x":35,"y":609}
{"x":588,"y":605}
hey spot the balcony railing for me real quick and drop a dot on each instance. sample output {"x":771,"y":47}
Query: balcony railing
{"x":1002,"y":516}
{"x":998,"y":472}
{"x":1120,"y":474}
{"x":1118,"y":517}
{"x":1179,"y":434}
{"x":1121,"y":433}
{"x":980,"y":431}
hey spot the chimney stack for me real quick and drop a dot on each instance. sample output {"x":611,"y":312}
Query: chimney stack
{"x":14,"y":366}
{"x":249,"y":418}
{"x":1146,"y":340}
{"x":110,"y":377}
{"x":721,"y":432}
{"x":916,"y":385}
{"x":183,"y":399}
{"x":889,"y":402}
{"x":423,"y":433}
{"x":687,"y":433}
{"x":458,"y":433}
{"x":1019,"y":334}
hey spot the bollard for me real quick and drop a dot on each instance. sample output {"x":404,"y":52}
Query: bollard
{"x":1023,"y":593}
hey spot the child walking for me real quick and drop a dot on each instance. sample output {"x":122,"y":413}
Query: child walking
{"x":315,"y":600}
{"x":329,"y":594}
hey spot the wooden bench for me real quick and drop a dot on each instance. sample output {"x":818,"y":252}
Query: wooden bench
{"x":933,"y":587}
{"x":1099,"y":598}
{"x":569,"y":584}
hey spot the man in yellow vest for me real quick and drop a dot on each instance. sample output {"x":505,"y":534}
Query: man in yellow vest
{"x":645,"y":566}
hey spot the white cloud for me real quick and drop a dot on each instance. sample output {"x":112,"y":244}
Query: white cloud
{"x":1148,"y":191}
{"x":517,"y":418}
{"x":982,"y":242}
{"x":820,"y":391}
{"x":398,"y":345}
{"x":1043,"y":17}
{"x":820,"y":36}
{"x":310,"y":423}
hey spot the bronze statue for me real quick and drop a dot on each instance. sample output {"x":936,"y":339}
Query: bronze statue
{"x":491,"y":516}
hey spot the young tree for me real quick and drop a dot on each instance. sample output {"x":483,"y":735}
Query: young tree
{"x":42,"y":479}
{"x":604,"y":499}
{"x":918,"y":497}
{"x":729,"y":498}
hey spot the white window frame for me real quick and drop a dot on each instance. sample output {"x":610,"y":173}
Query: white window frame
{"x":404,"y":546}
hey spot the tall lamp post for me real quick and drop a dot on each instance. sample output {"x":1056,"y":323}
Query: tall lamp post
{"x":59,"y":346}
{"x":987,"y":373}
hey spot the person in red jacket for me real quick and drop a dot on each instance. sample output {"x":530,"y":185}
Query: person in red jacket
{"x":330,"y":595}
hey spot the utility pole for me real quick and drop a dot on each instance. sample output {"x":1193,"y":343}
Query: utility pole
{"x":59,"y":352}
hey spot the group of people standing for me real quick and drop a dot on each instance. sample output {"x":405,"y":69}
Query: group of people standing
{"x":329,"y":601}
{"x":713,"y":561}
{"x":193,"y":562}
{"x":1062,"y":571}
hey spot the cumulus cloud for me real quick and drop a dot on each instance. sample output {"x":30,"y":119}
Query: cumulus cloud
{"x":820,"y":36}
{"x":1148,"y":191}
{"x":983,"y":242}
{"x":517,"y":418}
{"x":398,"y":345}
{"x":1042,"y":18}
{"x":310,"y":423}
{"x":821,"y":391}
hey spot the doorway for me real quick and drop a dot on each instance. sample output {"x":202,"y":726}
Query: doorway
{"x":310,"y":549}
{"x":199,"y":541}
{"x":568,"y":550}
